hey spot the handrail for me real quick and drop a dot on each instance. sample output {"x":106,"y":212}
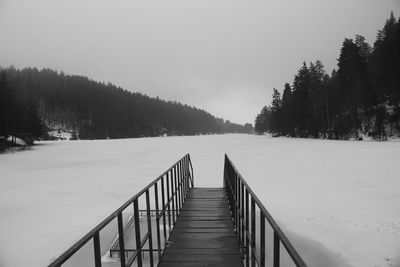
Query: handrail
{"x":240,"y":196}
{"x":177,"y":179}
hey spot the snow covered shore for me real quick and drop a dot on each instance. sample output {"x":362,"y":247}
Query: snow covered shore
{"x":337,"y":200}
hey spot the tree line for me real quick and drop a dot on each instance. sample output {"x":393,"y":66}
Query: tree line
{"x":361,"y":97}
{"x":33,"y":102}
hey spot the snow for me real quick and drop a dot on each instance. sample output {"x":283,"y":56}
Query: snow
{"x":61,"y":134}
{"x":338,"y":201}
{"x":18,"y":141}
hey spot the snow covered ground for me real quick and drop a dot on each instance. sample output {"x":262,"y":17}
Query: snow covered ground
{"x":338,"y":201}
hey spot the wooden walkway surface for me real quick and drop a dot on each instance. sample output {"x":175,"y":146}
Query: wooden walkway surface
{"x":203,"y":234}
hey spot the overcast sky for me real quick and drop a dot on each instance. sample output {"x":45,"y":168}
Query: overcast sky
{"x":223,"y":56}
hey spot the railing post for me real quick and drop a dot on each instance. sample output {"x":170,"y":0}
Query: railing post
{"x":224,"y":177}
{"x":247,"y":229}
{"x":97,"y":252}
{"x":262,"y":239}
{"x":180,"y":186}
{"x":242,"y":221}
{"x":276,"y":250}
{"x":237,"y":204}
{"x":137,"y":231}
{"x":164,"y":210}
{"x":177,"y":196}
{"x":149,"y":228}
{"x":121,"y":240}
{"x":183,"y":189}
{"x":253,"y":233}
{"x":172,"y":195}
{"x":192,"y":174}
{"x":157,"y":221}
{"x":169,"y":202}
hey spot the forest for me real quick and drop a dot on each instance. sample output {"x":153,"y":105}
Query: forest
{"x":361,"y":98}
{"x":34,"y":102}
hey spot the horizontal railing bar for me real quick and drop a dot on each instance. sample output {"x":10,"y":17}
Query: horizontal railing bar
{"x":81,"y":242}
{"x":285,"y":241}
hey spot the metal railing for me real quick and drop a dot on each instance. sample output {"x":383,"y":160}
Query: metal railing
{"x":175,"y":184}
{"x":243,"y":202}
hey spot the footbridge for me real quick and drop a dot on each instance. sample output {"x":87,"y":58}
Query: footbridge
{"x":173,"y":223}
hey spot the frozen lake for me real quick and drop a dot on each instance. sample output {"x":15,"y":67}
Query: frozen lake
{"x":338,"y":201}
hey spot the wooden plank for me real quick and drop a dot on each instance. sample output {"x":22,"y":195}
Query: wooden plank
{"x":202,"y":251}
{"x":226,"y":243}
{"x":203,"y":230}
{"x":204,"y":204}
{"x":200,"y":264}
{"x":205,"y":213}
{"x":203,"y":234}
{"x":205,"y":218}
{"x":205,"y":224}
{"x":206,"y":235}
{"x":200,"y":258}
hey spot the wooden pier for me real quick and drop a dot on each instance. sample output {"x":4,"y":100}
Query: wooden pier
{"x":204,"y":233}
{"x":188,"y":226}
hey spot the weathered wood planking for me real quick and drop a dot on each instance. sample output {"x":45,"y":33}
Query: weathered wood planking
{"x":203,"y":234}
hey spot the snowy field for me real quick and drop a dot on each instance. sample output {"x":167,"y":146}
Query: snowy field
{"x":338,"y":201}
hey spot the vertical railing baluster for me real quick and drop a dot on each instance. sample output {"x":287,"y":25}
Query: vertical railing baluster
{"x":157,"y":221}
{"x":177,"y":195}
{"x":247,"y":229}
{"x":242,"y":223}
{"x":180,"y":193}
{"x":234,"y":201}
{"x":191,"y":169}
{"x":253,"y":232}
{"x":164,"y":209}
{"x":149,"y":228}
{"x":182,"y":172}
{"x":262,"y":239}
{"x":276,"y":250}
{"x":182,"y":178}
{"x":177,"y":198}
{"x":168,"y":203}
{"x":224,"y":176}
{"x":240,"y":196}
{"x":237,"y":204}
{"x":173,"y":196}
{"x":121,"y":240}
{"x":183,"y":190}
{"x":97,"y":252}
{"x":137,"y":231}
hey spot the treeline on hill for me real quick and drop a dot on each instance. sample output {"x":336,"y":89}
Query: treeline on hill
{"x":34,"y":102}
{"x":361,"y":97}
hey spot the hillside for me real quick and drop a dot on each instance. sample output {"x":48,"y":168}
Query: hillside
{"x":34,"y":102}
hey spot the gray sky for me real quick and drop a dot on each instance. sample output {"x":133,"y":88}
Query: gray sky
{"x":224,"y":56}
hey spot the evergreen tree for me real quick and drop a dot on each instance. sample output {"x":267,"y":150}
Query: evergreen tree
{"x":276,"y":111}
{"x":93,"y":110}
{"x":362,"y":96}
{"x":287,"y":111}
